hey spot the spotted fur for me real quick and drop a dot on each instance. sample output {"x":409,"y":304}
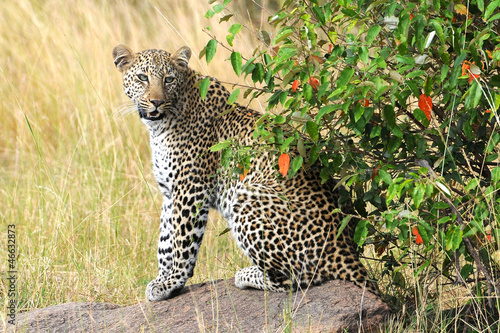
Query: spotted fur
{"x":288,"y":227}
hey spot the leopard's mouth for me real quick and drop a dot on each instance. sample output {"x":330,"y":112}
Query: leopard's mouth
{"x":153,"y":115}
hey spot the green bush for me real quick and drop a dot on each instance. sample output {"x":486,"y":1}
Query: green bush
{"x":398,"y":100}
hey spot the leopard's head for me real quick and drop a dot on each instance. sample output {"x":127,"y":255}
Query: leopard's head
{"x":153,"y":79}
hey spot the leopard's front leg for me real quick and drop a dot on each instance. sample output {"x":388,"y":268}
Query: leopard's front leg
{"x":165,"y":241}
{"x":183,"y":222}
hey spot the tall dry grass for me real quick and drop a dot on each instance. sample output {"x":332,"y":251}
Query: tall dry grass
{"x":74,"y":178}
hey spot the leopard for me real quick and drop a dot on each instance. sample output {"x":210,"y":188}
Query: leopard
{"x":290,"y":227}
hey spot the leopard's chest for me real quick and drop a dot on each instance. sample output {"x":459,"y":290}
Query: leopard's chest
{"x":166,"y":159}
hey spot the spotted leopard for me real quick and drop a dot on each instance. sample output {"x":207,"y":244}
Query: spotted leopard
{"x":288,"y":227}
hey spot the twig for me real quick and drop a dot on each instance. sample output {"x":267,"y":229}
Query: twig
{"x":361,"y":310}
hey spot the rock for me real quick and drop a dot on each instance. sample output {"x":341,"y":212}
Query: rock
{"x":220,"y":306}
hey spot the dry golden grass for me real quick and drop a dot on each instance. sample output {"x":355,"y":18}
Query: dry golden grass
{"x":74,"y":178}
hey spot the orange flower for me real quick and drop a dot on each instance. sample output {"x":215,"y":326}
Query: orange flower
{"x":488,"y":235}
{"x":313,"y":58}
{"x":488,"y":111}
{"x":472,"y":69}
{"x":462,"y":10}
{"x":380,"y":249}
{"x":245,"y":172}
{"x":284,"y":164}
{"x":295,"y":85}
{"x":364,"y":102}
{"x":375,"y":171}
{"x":473,"y":76}
{"x":411,"y":16}
{"x":425,"y":104}
{"x":419,"y":239}
{"x":313,"y":82}
{"x":465,"y":67}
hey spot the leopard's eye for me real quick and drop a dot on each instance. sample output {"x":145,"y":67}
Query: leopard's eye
{"x":142,"y":77}
{"x":169,"y":79}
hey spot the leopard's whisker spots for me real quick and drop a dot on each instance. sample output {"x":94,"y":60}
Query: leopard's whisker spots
{"x":124,"y":109}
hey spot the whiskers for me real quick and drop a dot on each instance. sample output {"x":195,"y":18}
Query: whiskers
{"x":125,"y":109}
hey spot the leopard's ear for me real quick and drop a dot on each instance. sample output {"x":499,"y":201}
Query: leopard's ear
{"x":123,"y":57}
{"x":182,"y":56}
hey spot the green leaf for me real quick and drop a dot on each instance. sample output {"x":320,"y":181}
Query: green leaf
{"x":312,"y":130}
{"x":361,"y":232}
{"x":258,"y":73}
{"x":204,"y":87}
{"x":423,"y":233}
{"x":384,"y":175}
{"x":493,"y":142}
{"x":235,"y":28}
{"x":418,"y":194}
{"x":363,"y":54}
{"x":264,"y":37}
{"x":495,"y":175}
{"x":218,"y":8}
{"x":286,"y":143}
{"x":318,"y":12}
{"x":372,"y":33}
{"x":279,"y":120}
{"x":345,"y":76}
{"x":405,"y":60}
{"x":307,"y":90}
{"x":466,"y":271}
{"x":233,"y":97}
{"x":249,"y":66}
{"x":443,"y":220}
{"x":494,"y":17}
{"x":345,"y":222}
{"x":399,"y":279}
{"x":325,"y":110}
{"x":414,"y":88}
{"x":472,"y":184}
{"x":453,"y":237}
{"x":210,"y":50}
{"x":389,"y":115}
{"x":440,"y":205}
{"x":438,"y":27}
{"x":284,"y":33}
{"x":230,"y":39}
{"x":297,"y":163}
{"x":421,"y":116}
{"x":480,"y":5}
{"x":428,"y":84}
{"x":220,"y":146}
{"x":375,"y":133}
{"x":415,"y":74}
{"x":209,"y":14}
{"x":236,"y":62}
{"x":491,"y":7}
{"x":225,"y":18}
{"x":358,"y":112}
{"x":349,"y":12}
{"x":475,"y":94}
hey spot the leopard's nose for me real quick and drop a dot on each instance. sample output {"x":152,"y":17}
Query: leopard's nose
{"x":157,"y":102}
